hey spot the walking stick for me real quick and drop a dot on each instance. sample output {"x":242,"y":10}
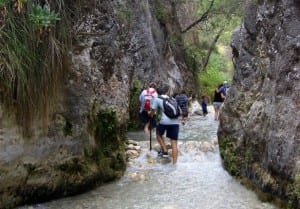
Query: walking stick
{"x":150,"y":129}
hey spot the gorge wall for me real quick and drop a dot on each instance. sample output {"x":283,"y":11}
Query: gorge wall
{"x":259,"y":133}
{"x":117,"y":45}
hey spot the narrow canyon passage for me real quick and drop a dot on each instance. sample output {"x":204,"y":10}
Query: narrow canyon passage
{"x":197,"y":181}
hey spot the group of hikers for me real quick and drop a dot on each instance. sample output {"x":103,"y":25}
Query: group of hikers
{"x":174,"y":111}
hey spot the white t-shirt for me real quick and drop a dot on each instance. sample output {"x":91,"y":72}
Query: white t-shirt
{"x":143,"y":95}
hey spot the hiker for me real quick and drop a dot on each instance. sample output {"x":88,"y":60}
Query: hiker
{"x":224,"y":89}
{"x":145,"y":99}
{"x":219,"y":97}
{"x":182,"y":101}
{"x":204,"y":106}
{"x":168,"y":125}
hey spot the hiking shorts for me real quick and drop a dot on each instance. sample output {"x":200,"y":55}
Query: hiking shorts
{"x":217,"y":105}
{"x":172,"y":130}
{"x":145,"y":118}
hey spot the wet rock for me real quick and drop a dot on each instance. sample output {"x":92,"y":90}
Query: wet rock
{"x":137,"y":176}
{"x":207,"y":147}
{"x":132,"y":154}
{"x":195,"y":108}
{"x":259,"y":123}
{"x":133,"y":150}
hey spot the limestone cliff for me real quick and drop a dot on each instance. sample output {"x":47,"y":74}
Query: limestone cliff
{"x":115,"y":45}
{"x":259,"y":132}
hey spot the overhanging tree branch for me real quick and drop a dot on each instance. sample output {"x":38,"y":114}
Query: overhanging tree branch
{"x":211,"y":48}
{"x":201,"y":19}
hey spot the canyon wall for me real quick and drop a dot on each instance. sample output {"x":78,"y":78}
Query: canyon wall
{"x":259,"y":132}
{"x":80,"y":143}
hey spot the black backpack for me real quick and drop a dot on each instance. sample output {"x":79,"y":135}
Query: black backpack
{"x":171,"y":107}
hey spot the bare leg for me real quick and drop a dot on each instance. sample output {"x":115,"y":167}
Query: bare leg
{"x":146,"y":128}
{"x":161,"y":142}
{"x":216,"y":113}
{"x":174,"y":151}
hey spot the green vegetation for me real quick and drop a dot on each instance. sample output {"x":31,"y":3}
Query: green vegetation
{"x":210,"y":57}
{"x":134,"y":105}
{"x":31,"y":58}
{"x":42,"y":17}
{"x":161,"y":12}
{"x":212,"y":76}
{"x":107,"y":131}
{"x":227,"y":151}
{"x":294,"y":192}
{"x":3,"y":3}
{"x":110,"y":141}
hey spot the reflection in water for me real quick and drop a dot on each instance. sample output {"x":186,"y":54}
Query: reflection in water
{"x":197,"y":181}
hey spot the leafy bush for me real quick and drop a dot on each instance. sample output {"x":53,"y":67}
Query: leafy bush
{"x":42,"y":17}
{"x":212,"y":76}
{"x":30,"y":65}
{"x":107,"y":130}
{"x":134,"y":105}
{"x":3,"y":3}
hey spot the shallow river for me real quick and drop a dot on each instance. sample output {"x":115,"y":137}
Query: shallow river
{"x":198,"y":181}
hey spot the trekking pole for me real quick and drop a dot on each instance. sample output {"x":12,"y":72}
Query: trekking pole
{"x":150,"y":129}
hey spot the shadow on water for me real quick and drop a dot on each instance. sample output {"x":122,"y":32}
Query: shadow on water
{"x":197,"y":181}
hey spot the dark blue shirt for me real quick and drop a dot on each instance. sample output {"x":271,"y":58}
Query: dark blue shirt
{"x":182,"y":101}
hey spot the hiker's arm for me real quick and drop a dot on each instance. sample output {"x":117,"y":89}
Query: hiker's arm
{"x":223,"y":96}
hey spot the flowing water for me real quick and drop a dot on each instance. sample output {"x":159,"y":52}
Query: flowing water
{"x":198,"y":181}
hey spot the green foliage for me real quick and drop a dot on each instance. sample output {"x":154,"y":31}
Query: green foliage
{"x":297,"y":186}
{"x":161,"y":13}
{"x":226,"y":15}
{"x":107,"y":120}
{"x":134,"y":105}
{"x":30,"y":64}
{"x":4,"y":3}
{"x":42,"y":17}
{"x":227,"y":152}
{"x":212,"y":76}
{"x":193,"y":57}
{"x":19,"y":61}
{"x":294,"y":192}
{"x":107,"y":131}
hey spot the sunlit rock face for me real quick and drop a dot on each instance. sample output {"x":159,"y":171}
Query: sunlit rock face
{"x":116,"y":44}
{"x":259,"y":133}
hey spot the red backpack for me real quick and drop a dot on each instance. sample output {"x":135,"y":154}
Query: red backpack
{"x":147,"y":98}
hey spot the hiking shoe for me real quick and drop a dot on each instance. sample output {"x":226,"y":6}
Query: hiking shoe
{"x":162,"y":154}
{"x":165,"y":154}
